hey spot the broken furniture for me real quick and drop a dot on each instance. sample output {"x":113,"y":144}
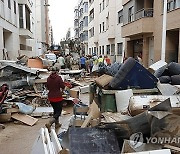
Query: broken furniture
{"x":133,"y":75}
{"x":92,"y":140}
{"x":3,"y":94}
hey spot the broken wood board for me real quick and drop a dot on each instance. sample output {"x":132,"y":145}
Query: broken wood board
{"x":139,"y":104}
{"x":24,"y":118}
{"x":40,"y":80}
{"x":116,"y":117}
{"x":44,"y":111}
{"x":5,"y":117}
{"x":12,"y":110}
{"x":130,"y":147}
{"x":167,"y":89}
{"x":93,"y":114}
{"x":173,"y":148}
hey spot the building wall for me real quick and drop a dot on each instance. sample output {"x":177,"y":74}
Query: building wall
{"x":111,"y":35}
{"x":9,"y":32}
{"x":119,"y":39}
{"x":151,"y":33}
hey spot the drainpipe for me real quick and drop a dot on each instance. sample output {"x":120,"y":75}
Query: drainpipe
{"x":163,"y":49}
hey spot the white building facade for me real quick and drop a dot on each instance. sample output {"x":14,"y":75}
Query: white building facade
{"x":24,"y":28}
{"x":9,"y":31}
{"x":42,"y":27}
{"x":105,"y":29}
{"x":81,"y":25}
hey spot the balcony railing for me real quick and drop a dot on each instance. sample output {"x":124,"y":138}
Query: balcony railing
{"x":144,"y":13}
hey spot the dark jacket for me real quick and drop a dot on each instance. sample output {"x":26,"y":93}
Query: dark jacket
{"x":54,"y":85}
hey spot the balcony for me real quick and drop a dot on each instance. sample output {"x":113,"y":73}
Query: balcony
{"x":25,"y":33}
{"x":26,"y":2}
{"x":173,"y":19}
{"x":141,"y":22}
{"x":125,"y":1}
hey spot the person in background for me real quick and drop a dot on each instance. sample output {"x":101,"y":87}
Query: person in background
{"x":55,"y":85}
{"x":83,"y":62}
{"x":87,"y":64}
{"x":68,"y":61}
{"x":100,"y":61}
{"x":61,"y":62}
{"x":107,"y":61}
{"x":139,"y":58}
{"x":91,"y":64}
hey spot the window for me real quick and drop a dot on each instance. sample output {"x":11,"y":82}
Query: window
{"x":28,"y":21}
{"x":9,"y":4}
{"x":119,"y":49}
{"x":103,"y":5}
{"x":170,"y":5}
{"x":91,"y":15}
{"x":107,"y":22}
{"x":103,"y":27}
{"x":85,"y":35}
{"x":112,"y":49}
{"x":103,"y":50}
{"x":100,"y":50}
{"x":86,"y":7}
{"x":100,"y":28}
{"x":85,"y":21}
{"x":95,"y":50}
{"x":21,"y":20}
{"x":130,"y":14}
{"x":120,"y":17}
{"x":91,"y":32}
{"x":107,"y":2}
{"x":108,"y":49}
{"x":14,"y":7}
{"x":90,"y":51}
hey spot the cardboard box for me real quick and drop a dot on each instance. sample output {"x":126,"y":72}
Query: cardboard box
{"x":74,"y":92}
{"x":35,"y":63}
{"x":103,"y":80}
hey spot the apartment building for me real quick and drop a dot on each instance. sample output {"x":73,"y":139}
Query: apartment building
{"x":142,"y":28}
{"x":9,"y":31}
{"x":105,"y":23}
{"x":26,"y":27}
{"x":42,"y":26}
{"x":81,"y":25}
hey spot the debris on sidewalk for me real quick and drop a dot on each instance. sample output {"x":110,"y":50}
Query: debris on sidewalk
{"x":131,"y":109}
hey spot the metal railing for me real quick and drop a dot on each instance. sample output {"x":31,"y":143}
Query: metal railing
{"x":144,"y":13}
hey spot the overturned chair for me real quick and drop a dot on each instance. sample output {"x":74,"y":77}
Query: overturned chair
{"x":3,"y":94}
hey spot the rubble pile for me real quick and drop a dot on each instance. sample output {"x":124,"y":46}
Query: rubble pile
{"x":139,"y":112}
{"x":131,"y":109}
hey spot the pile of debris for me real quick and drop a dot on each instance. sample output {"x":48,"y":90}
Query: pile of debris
{"x":27,"y":90}
{"x":129,"y":112}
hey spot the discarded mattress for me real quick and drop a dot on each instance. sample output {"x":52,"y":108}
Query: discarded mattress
{"x":138,"y":104}
{"x":133,"y":75}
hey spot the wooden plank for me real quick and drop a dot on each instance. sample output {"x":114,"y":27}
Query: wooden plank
{"x":35,"y":88}
{"x":24,"y":118}
{"x":177,"y":149}
{"x":5,"y":117}
{"x":167,"y":89}
{"x":12,"y":110}
{"x":40,"y":80}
